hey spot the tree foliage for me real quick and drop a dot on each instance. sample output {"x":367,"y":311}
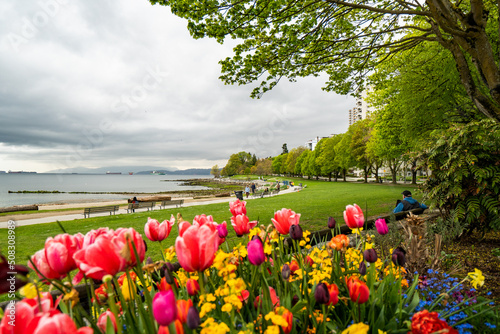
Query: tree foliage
{"x":346,"y":38}
{"x":465,"y":181}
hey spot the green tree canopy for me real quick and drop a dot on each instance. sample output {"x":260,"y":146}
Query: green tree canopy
{"x":346,"y":38}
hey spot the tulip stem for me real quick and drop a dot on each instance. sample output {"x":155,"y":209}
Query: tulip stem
{"x":162,"y":253}
{"x":201,"y":280}
{"x":171,"y":328}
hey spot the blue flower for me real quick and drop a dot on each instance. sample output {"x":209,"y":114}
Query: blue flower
{"x":490,"y":325}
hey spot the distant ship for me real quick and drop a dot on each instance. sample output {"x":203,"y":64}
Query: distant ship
{"x":113,"y":173}
{"x":20,"y":172}
{"x":130,"y":173}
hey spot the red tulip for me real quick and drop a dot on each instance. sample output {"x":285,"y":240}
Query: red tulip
{"x":158,"y":232}
{"x":238,"y":208}
{"x":274,"y":299}
{"x":255,"y":251}
{"x":103,"y":320}
{"x":358,"y":290}
{"x":164,"y":307}
{"x":58,"y":323}
{"x":353,"y":216}
{"x":179,"y":329}
{"x":288,"y":316}
{"x":182,"y":309}
{"x":333,"y":289}
{"x":163,"y":285}
{"x":243,"y":297}
{"x":196,"y":247}
{"x":59,"y":252}
{"x":283,"y":219}
{"x":381,"y":226}
{"x":39,"y":261}
{"x":242,"y":225}
{"x":192,"y":287}
{"x":103,"y":257}
{"x":424,"y":322}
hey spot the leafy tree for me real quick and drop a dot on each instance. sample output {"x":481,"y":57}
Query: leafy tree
{"x":237,"y":163}
{"x":291,"y":159}
{"x":215,"y":171}
{"x":314,"y":168}
{"x":465,"y":180}
{"x":347,"y":38}
{"x":361,"y":132}
{"x":305,"y":163}
{"x":344,"y":158}
{"x":276,"y":164}
{"x":263,"y":167}
{"x":283,"y":168}
{"x":326,"y":160}
{"x":300,"y":162}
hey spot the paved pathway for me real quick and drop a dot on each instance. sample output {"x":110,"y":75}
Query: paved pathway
{"x":58,"y":216}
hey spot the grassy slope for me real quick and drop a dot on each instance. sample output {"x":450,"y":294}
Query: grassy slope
{"x":315,"y":204}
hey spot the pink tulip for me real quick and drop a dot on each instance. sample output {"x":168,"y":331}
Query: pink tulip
{"x":39,"y":260}
{"x":92,"y":235}
{"x":164,"y":307}
{"x":131,"y":239}
{"x":158,"y":232}
{"x":255,"y":251}
{"x":196,"y":247}
{"x":103,"y":257}
{"x":238,"y":207}
{"x":353,"y":216}
{"x":381,"y":226}
{"x":103,"y":320}
{"x":283,"y":219}
{"x":59,"y":323}
{"x":242,"y":225}
{"x":222,"y":230}
{"x":203,"y":219}
{"x":59,"y":252}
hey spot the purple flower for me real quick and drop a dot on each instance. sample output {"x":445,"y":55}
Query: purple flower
{"x":321,"y":294}
{"x":331,"y":222}
{"x":370,"y":255}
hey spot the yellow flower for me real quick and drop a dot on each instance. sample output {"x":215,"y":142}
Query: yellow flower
{"x":272,"y":330}
{"x":359,"y":328}
{"x":276,"y":319}
{"x":28,"y":291}
{"x":357,"y":230}
{"x":227,"y":308}
{"x":268,"y":249}
{"x":170,"y":254}
{"x":381,"y":332}
{"x":206,"y":308}
{"x":476,"y":277}
{"x":128,"y":289}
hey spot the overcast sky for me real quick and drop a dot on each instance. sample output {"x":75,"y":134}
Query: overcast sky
{"x":115,"y":83}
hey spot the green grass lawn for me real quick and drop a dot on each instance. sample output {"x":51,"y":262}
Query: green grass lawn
{"x":315,"y":203}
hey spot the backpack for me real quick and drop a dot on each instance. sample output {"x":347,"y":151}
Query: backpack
{"x":407,"y":206}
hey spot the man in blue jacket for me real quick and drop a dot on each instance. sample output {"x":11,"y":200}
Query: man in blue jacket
{"x":408,"y":203}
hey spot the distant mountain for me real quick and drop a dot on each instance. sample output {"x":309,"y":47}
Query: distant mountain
{"x":112,"y":169}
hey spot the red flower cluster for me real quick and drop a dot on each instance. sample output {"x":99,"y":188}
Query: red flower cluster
{"x":425,"y":322}
{"x":240,"y":222}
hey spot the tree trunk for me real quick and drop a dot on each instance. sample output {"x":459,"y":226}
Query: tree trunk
{"x":330,"y":177}
{"x":414,"y":172}
{"x":343,"y":174}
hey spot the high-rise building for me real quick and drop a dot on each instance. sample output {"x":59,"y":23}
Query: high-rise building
{"x":361,"y":109}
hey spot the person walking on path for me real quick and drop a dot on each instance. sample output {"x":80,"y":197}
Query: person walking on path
{"x":247,"y":190}
{"x":408,"y":203}
{"x":253,"y":188}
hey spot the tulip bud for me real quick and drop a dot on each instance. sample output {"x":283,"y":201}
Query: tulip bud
{"x":370,"y":255}
{"x":255,"y":251}
{"x":296,"y":232}
{"x":192,"y":287}
{"x":331,"y":222}
{"x":222,"y":230}
{"x":285,"y":272}
{"x":164,"y":307}
{"x":167,"y":270}
{"x":381,"y":226}
{"x":399,"y":256}
{"x":295,"y":300}
{"x":321,"y":294}
{"x":362,"y":268}
{"x":193,"y":318}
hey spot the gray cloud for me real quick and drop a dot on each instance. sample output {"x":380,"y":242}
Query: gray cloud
{"x":92,"y":83}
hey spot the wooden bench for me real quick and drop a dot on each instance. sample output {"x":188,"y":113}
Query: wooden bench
{"x":176,"y":202}
{"x":140,"y":205}
{"x":111,"y":209}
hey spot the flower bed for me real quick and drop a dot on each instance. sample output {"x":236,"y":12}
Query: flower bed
{"x":254,"y":286}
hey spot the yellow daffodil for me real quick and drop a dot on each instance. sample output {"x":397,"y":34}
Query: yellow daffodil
{"x":128,"y":289}
{"x":476,"y":277}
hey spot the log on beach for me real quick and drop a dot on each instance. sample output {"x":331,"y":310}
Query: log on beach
{"x":19,"y":208}
{"x":157,"y":198}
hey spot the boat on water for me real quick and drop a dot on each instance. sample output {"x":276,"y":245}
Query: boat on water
{"x":130,"y":173}
{"x":113,"y":173}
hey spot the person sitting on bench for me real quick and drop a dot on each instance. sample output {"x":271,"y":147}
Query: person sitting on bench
{"x":408,"y":203}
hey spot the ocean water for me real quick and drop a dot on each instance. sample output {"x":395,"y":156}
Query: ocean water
{"x":85,"y":183}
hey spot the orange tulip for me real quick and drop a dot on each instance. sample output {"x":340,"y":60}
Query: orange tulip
{"x":358,"y":290}
{"x":182,"y":309}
